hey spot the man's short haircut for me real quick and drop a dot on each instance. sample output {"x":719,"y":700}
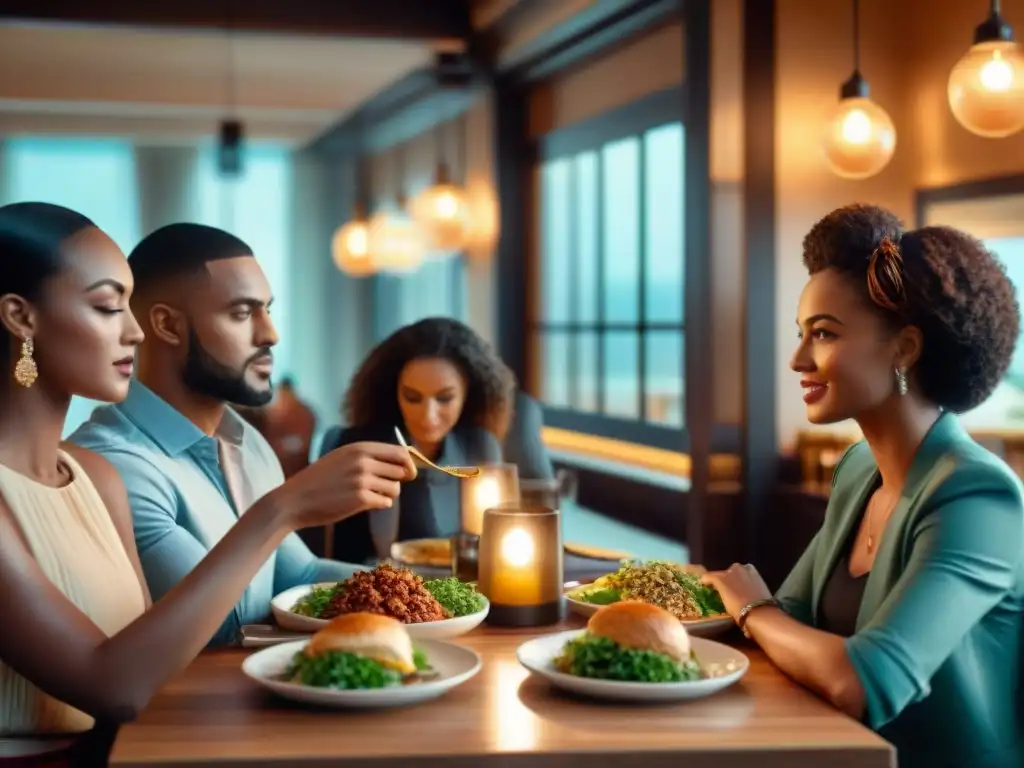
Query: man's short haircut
{"x":180,"y":249}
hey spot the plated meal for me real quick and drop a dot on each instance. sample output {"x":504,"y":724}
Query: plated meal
{"x":362,"y":659}
{"x":633,"y":642}
{"x":433,"y":608}
{"x":670,"y":586}
{"x":635,"y":651}
{"x":357,"y":651}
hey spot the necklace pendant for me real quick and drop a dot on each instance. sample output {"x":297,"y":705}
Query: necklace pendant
{"x":871,"y":543}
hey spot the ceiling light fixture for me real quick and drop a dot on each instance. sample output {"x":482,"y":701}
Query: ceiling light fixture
{"x":860,"y":138}
{"x":986,"y":87}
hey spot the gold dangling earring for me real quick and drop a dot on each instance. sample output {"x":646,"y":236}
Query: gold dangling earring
{"x":26,"y":372}
{"x":901,"y":381}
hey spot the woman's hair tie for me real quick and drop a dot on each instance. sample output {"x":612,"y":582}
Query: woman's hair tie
{"x":885,"y":275}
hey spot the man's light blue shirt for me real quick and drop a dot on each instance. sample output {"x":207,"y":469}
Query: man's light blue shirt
{"x":181,"y":503}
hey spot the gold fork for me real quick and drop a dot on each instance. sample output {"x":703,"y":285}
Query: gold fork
{"x":453,"y":471}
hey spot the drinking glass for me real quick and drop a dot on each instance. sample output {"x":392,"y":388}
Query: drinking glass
{"x":384,"y":529}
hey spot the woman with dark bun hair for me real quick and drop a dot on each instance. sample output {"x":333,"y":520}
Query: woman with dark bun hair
{"x":907,"y":609}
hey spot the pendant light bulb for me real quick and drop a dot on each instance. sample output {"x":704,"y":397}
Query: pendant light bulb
{"x":859,"y":137}
{"x":986,"y":87}
{"x":350,"y":249}
{"x":396,"y":242}
{"x":441,"y":211}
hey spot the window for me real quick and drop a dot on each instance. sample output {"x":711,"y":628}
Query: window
{"x":95,"y":177}
{"x":1006,"y":405}
{"x":1010,"y":251}
{"x":994,"y":212}
{"x":257,"y":207}
{"x":608,"y":330}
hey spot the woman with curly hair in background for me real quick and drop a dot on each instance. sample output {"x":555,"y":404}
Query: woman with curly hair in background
{"x":452,"y":397}
{"x":907,"y":609}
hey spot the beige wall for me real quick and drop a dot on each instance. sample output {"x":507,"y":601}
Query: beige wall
{"x":907,"y":59}
{"x":636,"y":69}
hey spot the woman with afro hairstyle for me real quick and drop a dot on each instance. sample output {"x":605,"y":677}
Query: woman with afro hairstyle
{"x":907,"y":609}
{"x":451,"y":396}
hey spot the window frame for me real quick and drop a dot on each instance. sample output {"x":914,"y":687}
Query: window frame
{"x":999,"y":186}
{"x":632,"y":120}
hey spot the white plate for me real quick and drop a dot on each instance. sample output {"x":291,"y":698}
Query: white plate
{"x":725,"y":666}
{"x":706,"y":627}
{"x":286,"y":618}
{"x":454,"y":664}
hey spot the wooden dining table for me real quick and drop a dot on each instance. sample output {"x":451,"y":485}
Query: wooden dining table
{"x":213,"y":716}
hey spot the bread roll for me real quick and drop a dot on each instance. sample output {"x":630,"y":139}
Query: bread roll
{"x":642,"y":627}
{"x":379,"y":638}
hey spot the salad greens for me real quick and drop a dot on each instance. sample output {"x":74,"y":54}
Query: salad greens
{"x":707,"y":597}
{"x":601,"y":596}
{"x":346,"y":671}
{"x":316,"y":602}
{"x":457,"y":598}
{"x":598,"y":657}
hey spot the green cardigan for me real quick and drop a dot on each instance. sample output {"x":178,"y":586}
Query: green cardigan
{"x":939,"y":646}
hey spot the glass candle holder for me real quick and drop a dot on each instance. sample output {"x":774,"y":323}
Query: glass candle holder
{"x":520,"y":565}
{"x":540,"y":493}
{"x":496,"y":485}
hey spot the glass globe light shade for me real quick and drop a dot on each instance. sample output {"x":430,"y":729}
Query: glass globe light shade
{"x":442,"y":213}
{"x":350,"y":249}
{"x":986,"y":89}
{"x":395,"y":242}
{"x":860,"y":138}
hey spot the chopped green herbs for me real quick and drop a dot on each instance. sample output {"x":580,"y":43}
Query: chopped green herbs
{"x":598,"y":657}
{"x":458,"y":598}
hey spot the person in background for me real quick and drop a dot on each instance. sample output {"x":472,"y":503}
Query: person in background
{"x":451,"y":395}
{"x":906,"y":610}
{"x":524,"y":445}
{"x":192,"y":467}
{"x":82,"y":641}
{"x":288,"y":425}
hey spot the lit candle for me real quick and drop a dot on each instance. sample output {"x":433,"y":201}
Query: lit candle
{"x":521,"y":568}
{"x":487,"y":494}
{"x":496,"y":484}
{"x":518,"y":581}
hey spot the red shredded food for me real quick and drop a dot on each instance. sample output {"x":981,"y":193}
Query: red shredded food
{"x":390,"y":591}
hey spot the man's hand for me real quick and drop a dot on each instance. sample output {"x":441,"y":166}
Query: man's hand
{"x":348,"y":480}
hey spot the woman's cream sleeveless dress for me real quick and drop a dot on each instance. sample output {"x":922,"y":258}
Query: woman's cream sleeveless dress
{"x":75,"y":543}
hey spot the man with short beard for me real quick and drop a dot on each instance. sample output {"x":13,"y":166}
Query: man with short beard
{"x":190,"y":464}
